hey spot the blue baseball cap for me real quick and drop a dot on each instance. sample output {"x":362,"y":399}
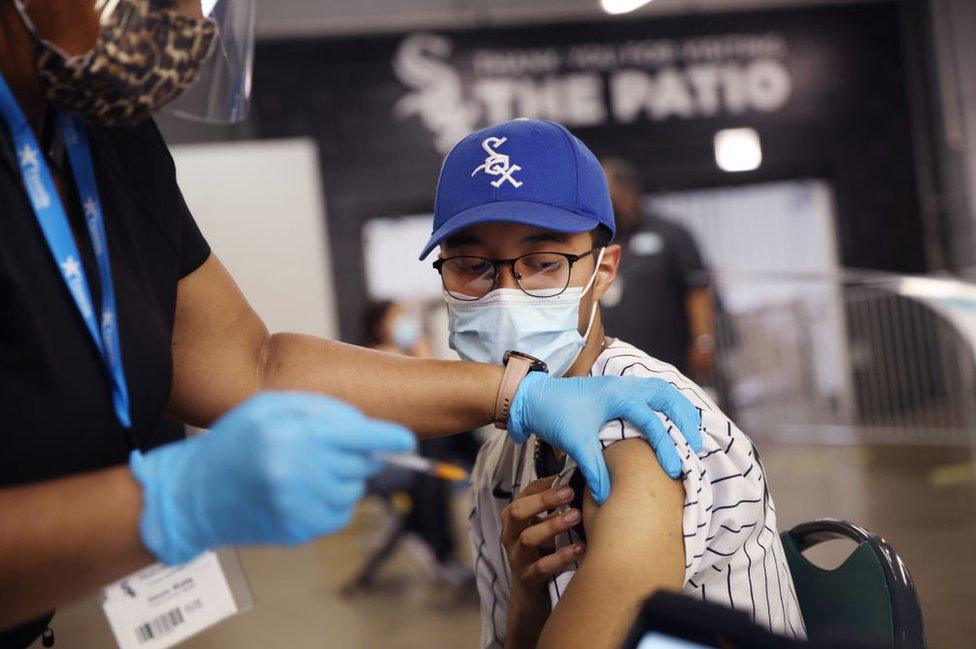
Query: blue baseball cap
{"x":525,"y":171}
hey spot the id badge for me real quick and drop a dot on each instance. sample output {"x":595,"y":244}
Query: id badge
{"x":160,"y":606}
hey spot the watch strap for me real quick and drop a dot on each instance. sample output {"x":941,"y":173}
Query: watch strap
{"x":516,"y":368}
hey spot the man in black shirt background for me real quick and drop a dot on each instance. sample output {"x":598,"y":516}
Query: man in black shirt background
{"x":663,"y":300}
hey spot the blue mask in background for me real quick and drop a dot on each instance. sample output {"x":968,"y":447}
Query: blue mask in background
{"x":544,"y":327}
{"x":407,"y":332}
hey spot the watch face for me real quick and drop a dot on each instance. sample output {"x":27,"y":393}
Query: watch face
{"x":537,"y":365}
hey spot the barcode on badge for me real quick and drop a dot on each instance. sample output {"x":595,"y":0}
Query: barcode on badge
{"x":159,"y":626}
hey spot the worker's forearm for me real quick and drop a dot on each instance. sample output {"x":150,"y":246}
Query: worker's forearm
{"x":64,"y":538}
{"x":430,"y":397}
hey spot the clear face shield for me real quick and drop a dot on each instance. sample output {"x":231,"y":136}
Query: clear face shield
{"x":193,"y":57}
{"x":222,"y":92}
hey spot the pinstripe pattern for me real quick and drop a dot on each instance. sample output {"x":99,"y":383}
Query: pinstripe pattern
{"x":733,"y":555}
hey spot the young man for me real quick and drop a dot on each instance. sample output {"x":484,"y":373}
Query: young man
{"x":524,"y":224}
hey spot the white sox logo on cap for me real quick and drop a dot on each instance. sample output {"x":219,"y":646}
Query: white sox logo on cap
{"x":497,"y":164}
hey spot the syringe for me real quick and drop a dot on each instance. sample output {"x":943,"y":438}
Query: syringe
{"x":435,"y":468}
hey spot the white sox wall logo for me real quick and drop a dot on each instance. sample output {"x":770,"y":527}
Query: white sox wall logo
{"x":436,"y":96}
{"x":452,"y":92}
{"x":498,"y":164}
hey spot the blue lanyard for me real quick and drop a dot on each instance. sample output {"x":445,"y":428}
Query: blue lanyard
{"x":57,"y":231}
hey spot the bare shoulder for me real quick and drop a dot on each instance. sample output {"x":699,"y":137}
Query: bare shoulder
{"x":634,"y":547}
{"x":644,"y":511}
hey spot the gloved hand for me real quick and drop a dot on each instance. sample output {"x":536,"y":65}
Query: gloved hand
{"x":281,"y":468}
{"x":569,"y":412}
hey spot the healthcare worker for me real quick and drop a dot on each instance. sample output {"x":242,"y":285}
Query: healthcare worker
{"x":114,"y":311}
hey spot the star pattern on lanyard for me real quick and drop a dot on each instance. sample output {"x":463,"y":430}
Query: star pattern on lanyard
{"x":91,"y":207}
{"x":28,"y":156}
{"x":71,"y":268}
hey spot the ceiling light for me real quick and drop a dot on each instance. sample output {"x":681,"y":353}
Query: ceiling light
{"x":622,"y":6}
{"x":738,"y":149}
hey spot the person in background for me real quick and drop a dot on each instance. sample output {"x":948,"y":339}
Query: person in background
{"x":391,"y":327}
{"x":663,"y":301}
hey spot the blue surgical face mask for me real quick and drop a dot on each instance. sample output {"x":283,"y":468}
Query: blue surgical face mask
{"x":407,"y":332}
{"x":544,"y":327}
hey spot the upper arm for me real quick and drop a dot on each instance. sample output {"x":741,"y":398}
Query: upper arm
{"x":634,"y":547}
{"x":218,"y":343}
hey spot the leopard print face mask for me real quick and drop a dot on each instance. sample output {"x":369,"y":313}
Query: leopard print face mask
{"x":144,"y":58}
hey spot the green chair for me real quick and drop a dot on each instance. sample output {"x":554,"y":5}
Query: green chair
{"x":869,"y":596}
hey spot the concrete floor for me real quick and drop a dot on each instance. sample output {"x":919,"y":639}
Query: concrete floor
{"x":922,"y":499}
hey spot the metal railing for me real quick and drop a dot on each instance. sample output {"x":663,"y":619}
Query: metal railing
{"x":854,"y":358}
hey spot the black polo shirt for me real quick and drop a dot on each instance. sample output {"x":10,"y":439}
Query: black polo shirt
{"x":659,"y":265}
{"x":56,"y":414}
{"x":55,"y":397}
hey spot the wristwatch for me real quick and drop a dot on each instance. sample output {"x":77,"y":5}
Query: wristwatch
{"x":704,"y":343}
{"x":517,"y":366}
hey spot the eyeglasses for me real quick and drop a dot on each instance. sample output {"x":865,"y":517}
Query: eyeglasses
{"x":539,"y":274}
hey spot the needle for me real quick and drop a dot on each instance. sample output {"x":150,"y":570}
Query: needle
{"x":437,"y":469}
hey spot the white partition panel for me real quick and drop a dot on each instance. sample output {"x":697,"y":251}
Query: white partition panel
{"x":390,"y":250}
{"x":762,"y":242}
{"x":260,"y":205}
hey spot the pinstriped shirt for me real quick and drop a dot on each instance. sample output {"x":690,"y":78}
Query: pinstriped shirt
{"x":733,"y":554}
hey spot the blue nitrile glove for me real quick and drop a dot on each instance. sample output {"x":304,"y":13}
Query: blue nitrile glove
{"x":281,"y":468}
{"x":569,"y":412}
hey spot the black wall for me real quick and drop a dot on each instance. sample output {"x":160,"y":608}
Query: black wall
{"x":845,"y":119}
